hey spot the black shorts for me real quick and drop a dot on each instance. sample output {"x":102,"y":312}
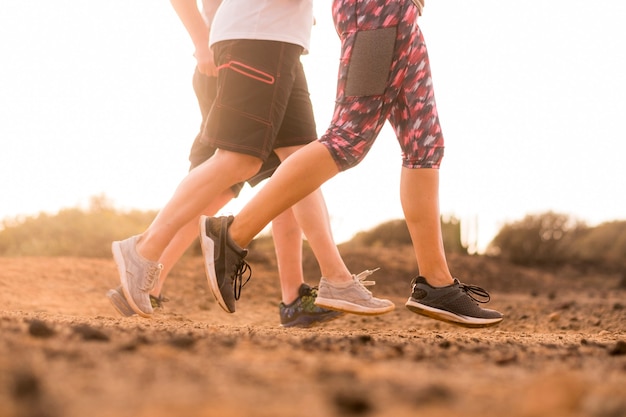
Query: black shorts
{"x":262,"y":101}
{"x":205,"y":88}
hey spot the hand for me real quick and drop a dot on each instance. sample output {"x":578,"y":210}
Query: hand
{"x":204,"y":61}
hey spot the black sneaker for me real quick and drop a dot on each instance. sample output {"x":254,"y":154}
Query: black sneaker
{"x":223,"y":261}
{"x":303,"y":312}
{"x":456,"y":303}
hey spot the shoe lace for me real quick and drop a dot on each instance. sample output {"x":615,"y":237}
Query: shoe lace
{"x":361,"y":277}
{"x":152,"y":276}
{"x":157,"y":302}
{"x":241,"y":268}
{"x":476,"y":293}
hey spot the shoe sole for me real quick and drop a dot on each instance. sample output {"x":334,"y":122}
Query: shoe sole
{"x":121,"y":268}
{"x":312,"y":321}
{"x":208,"y":247}
{"x":348,"y":307}
{"x":448,"y":317}
{"x":119,"y":303}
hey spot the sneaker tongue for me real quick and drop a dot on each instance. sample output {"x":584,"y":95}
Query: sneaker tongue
{"x":304,"y":290}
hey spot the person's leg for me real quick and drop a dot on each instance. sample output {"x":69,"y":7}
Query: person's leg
{"x":183,"y":239}
{"x":297,"y":177}
{"x":419,"y":195}
{"x":312,"y":216}
{"x":162,"y":226}
{"x":287,"y":237}
{"x":297,"y":308}
{"x":196,"y":192}
{"x":435,"y":293}
{"x":339,"y":289}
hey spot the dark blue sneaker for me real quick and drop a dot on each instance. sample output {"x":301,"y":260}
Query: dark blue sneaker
{"x":223,"y":261}
{"x":456,"y":303}
{"x":303,"y":312}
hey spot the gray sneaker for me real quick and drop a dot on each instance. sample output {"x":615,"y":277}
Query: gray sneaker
{"x":137,"y":275}
{"x":354,"y":298}
{"x":118,"y":301}
{"x":456,"y":303}
{"x":223,"y":261}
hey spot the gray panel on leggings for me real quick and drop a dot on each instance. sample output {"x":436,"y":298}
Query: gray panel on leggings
{"x":368,"y":70}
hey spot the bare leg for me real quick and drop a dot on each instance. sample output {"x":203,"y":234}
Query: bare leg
{"x":184,"y":238}
{"x":287,"y":241}
{"x":310,"y":207}
{"x":419,"y":194}
{"x":193,"y":195}
{"x":295,"y":178}
{"x":287,"y":236}
{"x":296,"y":182}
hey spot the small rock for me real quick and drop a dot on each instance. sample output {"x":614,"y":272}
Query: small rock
{"x":90,"y":333}
{"x":39,"y":328}
{"x":182,"y":342}
{"x":506,"y":359}
{"x":26,"y":385}
{"x":619,"y":349}
{"x":364,"y":339}
{"x":554,"y":317}
{"x":352,"y":403}
{"x":445,"y":344}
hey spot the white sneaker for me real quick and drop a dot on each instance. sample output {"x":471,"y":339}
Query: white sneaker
{"x":137,"y":275}
{"x":352,"y":297}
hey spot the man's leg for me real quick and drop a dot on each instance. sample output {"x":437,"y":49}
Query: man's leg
{"x":184,"y":238}
{"x":137,"y":257}
{"x":297,"y":308}
{"x":196,"y":191}
{"x":297,"y":180}
{"x":298,"y":176}
{"x":287,"y":236}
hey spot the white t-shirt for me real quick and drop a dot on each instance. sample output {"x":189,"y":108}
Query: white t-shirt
{"x":209,"y":7}
{"x":288,"y":21}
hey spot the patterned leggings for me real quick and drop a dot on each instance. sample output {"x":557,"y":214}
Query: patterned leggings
{"x":384,"y":74}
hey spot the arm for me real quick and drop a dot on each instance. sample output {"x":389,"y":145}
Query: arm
{"x":198,"y":30}
{"x":420,"y":5}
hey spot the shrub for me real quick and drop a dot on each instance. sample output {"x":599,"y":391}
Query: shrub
{"x":72,"y":231}
{"x":540,"y":239}
{"x":396,"y":233}
{"x":603,"y":245}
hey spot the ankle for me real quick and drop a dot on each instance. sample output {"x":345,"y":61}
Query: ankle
{"x":438,"y":281}
{"x":236,"y":237}
{"x":338,"y":280}
{"x":143,"y":250}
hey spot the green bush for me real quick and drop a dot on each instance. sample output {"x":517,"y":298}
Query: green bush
{"x":550,"y":239}
{"x":547,"y":239}
{"x":534,"y":240}
{"x":603,"y":245}
{"x":396,"y":233}
{"x":72,"y":231}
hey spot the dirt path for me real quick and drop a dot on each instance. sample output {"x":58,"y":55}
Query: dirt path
{"x":64,"y":352}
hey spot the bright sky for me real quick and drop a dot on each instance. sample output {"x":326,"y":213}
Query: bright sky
{"x":96,"y":98}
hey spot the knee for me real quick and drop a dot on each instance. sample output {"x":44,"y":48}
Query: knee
{"x":239,"y":166}
{"x":346,"y":149}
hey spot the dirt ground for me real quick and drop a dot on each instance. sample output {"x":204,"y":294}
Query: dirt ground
{"x":64,"y":352}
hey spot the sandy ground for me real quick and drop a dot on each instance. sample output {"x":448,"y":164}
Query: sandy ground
{"x":561,"y":350}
